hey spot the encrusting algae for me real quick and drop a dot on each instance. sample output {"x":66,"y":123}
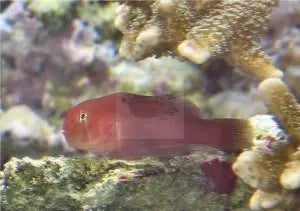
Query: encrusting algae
{"x":198,"y":30}
{"x":272,"y":166}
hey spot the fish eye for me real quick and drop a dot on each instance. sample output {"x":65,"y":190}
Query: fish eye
{"x":82,"y":116}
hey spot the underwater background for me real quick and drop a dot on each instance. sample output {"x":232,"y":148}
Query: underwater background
{"x":58,"y":53}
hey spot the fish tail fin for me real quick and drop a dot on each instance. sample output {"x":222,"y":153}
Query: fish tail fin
{"x":237,"y":134}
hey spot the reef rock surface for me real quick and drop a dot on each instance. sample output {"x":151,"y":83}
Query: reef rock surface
{"x":89,"y":183}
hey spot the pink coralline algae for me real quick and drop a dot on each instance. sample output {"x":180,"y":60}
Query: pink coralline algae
{"x":221,"y":174}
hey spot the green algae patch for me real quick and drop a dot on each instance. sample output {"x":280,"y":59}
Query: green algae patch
{"x":87,"y":183}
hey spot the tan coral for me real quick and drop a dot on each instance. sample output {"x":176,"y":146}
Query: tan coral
{"x":283,"y":105}
{"x":290,"y":177}
{"x":198,"y":30}
{"x":262,"y":200}
{"x":272,"y":165}
{"x":260,"y":171}
{"x":260,"y":166}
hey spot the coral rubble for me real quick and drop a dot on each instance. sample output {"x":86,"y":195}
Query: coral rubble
{"x":99,"y":184}
{"x":198,"y":30}
{"x":272,"y":166}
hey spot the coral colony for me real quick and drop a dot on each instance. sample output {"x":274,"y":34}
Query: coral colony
{"x":272,"y":165}
{"x":198,"y":30}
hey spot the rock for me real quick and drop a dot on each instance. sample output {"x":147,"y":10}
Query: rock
{"x":61,"y":183}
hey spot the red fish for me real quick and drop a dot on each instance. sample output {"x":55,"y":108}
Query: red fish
{"x":128,"y":125}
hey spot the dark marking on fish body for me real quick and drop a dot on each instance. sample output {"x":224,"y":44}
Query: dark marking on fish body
{"x":150,"y":106}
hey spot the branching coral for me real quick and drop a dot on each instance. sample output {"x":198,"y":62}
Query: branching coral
{"x":198,"y":30}
{"x":272,"y":166}
{"x":283,"y":105}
